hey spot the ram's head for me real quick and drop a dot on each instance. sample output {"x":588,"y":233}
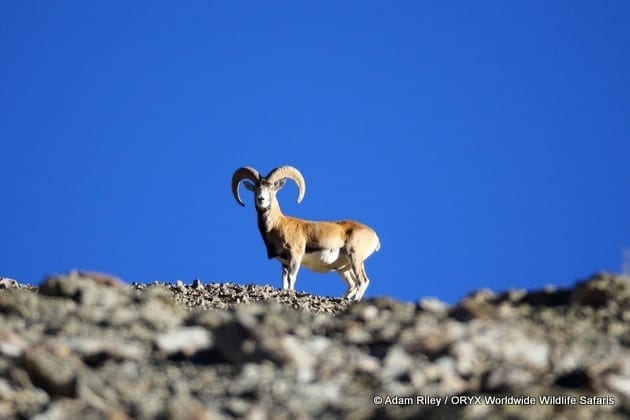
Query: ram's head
{"x":265,"y":188}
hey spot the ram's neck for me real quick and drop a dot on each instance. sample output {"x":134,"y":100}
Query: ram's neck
{"x":269,"y":217}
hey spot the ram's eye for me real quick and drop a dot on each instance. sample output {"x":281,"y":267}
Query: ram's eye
{"x":277,"y":183}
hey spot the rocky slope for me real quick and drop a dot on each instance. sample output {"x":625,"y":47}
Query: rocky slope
{"x":86,"y":345}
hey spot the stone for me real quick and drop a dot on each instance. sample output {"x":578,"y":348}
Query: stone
{"x":53,"y":370}
{"x":433,"y":305}
{"x":7,"y":283}
{"x":185,"y":341}
{"x":11,"y":344}
{"x":83,"y":346}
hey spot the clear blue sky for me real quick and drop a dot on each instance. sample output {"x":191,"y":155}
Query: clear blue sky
{"x":488,"y":143}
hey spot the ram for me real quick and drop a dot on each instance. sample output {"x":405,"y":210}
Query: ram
{"x":341,"y":246}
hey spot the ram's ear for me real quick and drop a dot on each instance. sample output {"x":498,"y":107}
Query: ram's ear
{"x":279,"y":184}
{"x":249,"y":185}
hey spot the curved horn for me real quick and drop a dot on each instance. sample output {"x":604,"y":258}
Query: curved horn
{"x":289,"y":172}
{"x":240,"y":174}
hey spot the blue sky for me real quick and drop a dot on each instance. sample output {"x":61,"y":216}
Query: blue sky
{"x":487,"y":143}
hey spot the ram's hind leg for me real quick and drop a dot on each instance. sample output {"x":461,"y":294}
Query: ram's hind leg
{"x":358,"y":272}
{"x":364,"y":283}
{"x":348,"y":278}
{"x":360,"y":245}
{"x":285,"y":277}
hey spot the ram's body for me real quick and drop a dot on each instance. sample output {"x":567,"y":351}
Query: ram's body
{"x":340,"y":246}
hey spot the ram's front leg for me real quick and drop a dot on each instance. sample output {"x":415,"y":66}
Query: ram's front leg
{"x":290,"y":271}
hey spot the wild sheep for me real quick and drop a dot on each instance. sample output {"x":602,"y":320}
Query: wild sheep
{"x":340,"y":246}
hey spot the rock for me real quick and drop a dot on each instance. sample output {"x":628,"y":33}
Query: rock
{"x":86,"y":346}
{"x":429,"y":338}
{"x":488,"y":344}
{"x":355,"y":334}
{"x":53,"y":370}
{"x":503,"y":379}
{"x":158,"y":310}
{"x":549,"y":296}
{"x":90,"y":291}
{"x":304,"y":354}
{"x":94,"y":351}
{"x":368,"y":312}
{"x":239,"y":343}
{"x":434,"y":306}
{"x":105,"y":279}
{"x":7,"y":283}
{"x":17,"y":395}
{"x":576,"y":379}
{"x":186,"y":407}
{"x":185,"y":341}
{"x":480,"y":304}
{"x":397,"y":362}
{"x":442,"y":378}
{"x":67,"y":408}
{"x":618,"y":384}
{"x":602,"y":289}
{"x":11,"y":344}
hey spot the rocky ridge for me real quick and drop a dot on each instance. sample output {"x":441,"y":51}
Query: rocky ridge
{"x":86,"y":345}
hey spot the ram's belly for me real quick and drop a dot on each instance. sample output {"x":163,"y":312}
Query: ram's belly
{"x":323,"y":260}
